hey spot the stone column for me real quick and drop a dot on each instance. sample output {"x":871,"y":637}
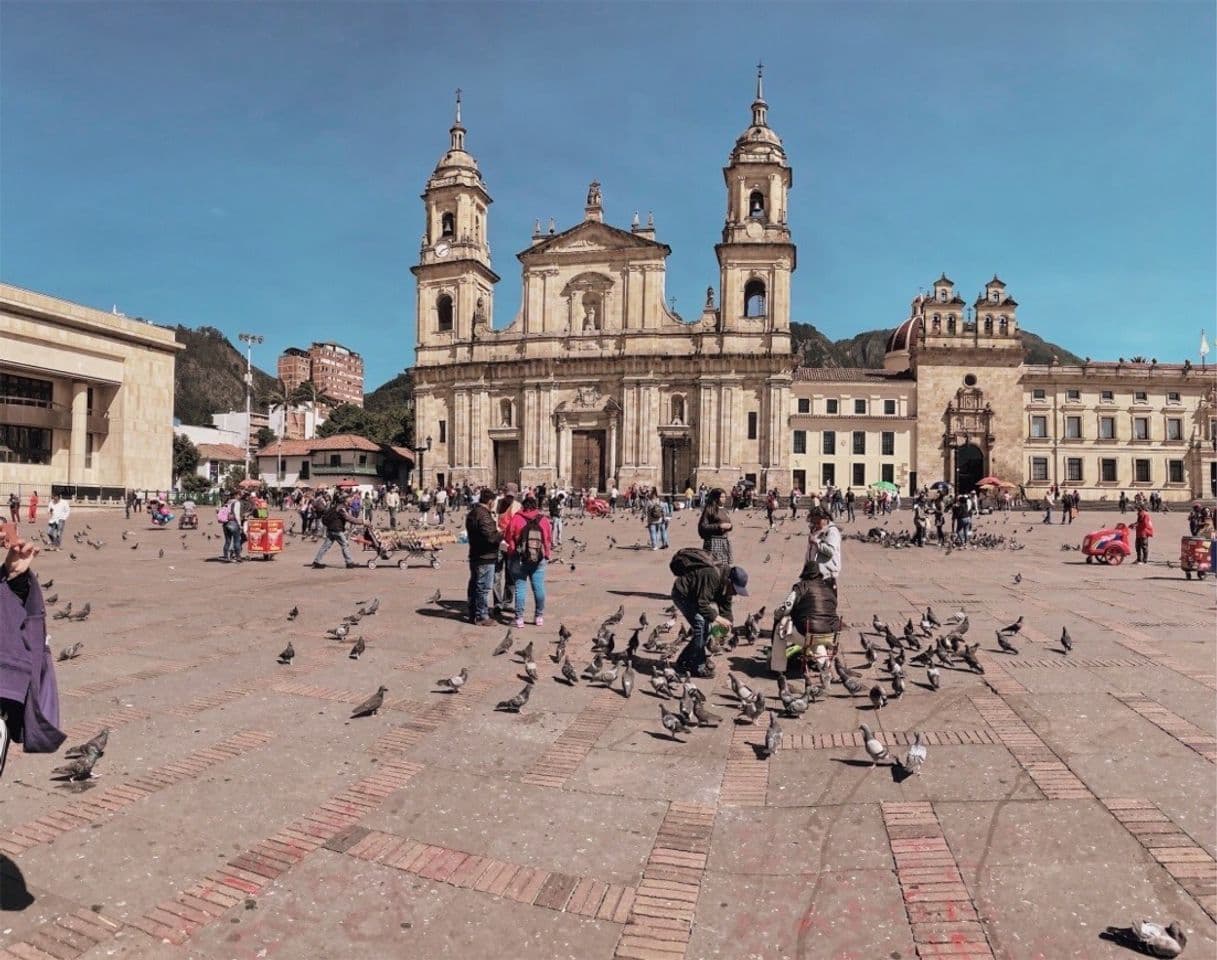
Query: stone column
{"x":80,"y":430}
{"x":612,"y":451}
{"x":557,"y":451}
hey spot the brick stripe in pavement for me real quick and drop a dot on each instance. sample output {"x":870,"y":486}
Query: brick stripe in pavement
{"x":151,"y":673}
{"x":1048,"y":771}
{"x":1020,"y":663}
{"x":746,"y":777}
{"x":67,"y":937}
{"x":660,"y":921}
{"x":98,"y":805}
{"x":1186,"y":733}
{"x":563,"y":757}
{"x":853,"y":738}
{"x":1184,"y":859}
{"x":582,"y":896}
{"x":941,"y":911}
{"x":1149,"y":648}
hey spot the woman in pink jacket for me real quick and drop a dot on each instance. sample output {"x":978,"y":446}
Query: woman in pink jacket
{"x":529,"y":545}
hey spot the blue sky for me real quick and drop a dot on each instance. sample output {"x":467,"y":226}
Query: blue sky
{"x":257,"y":166}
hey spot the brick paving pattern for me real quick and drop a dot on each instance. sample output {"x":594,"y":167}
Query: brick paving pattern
{"x":1186,"y":733}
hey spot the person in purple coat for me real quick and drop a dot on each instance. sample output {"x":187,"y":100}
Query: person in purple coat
{"x":29,"y":696}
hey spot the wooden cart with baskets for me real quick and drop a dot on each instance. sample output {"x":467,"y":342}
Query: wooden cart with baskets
{"x":412,"y":543}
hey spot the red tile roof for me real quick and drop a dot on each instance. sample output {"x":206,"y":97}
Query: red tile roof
{"x":223,"y":452}
{"x":847,"y":374}
{"x":339,"y":442}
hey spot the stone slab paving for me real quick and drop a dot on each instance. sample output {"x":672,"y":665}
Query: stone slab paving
{"x":240,"y":813}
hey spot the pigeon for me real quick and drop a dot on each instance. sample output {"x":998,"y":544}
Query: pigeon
{"x":504,"y":645}
{"x":79,"y":769}
{"x":898,"y":686}
{"x":875,"y":747}
{"x":359,"y":647}
{"x":530,"y":669}
{"x":72,"y":556}
{"x":642,"y":620}
{"x":71,"y":653}
{"x":371,"y":706}
{"x":339,"y":632}
{"x":96,"y":746}
{"x":659,"y":683}
{"x":627,"y":678}
{"x":65,"y":612}
{"x":838,"y":664}
{"x":969,"y":657}
{"x":741,"y":690}
{"x":606,"y":676}
{"x":704,"y":717}
{"x":50,"y":583}
{"x":53,"y":598}
{"x":932,"y":620}
{"x":751,"y":709}
{"x":1018,"y":578}
{"x":82,"y":614}
{"x":915,"y":757}
{"x":560,"y":653}
{"x":877,"y":625}
{"x":672,"y":722}
{"x":135,"y":546}
{"x":569,"y":672}
{"x":456,"y":682}
{"x":1066,"y":640}
{"x":1152,"y":939}
{"x":288,"y":654}
{"x":878,"y":698}
{"x":563,"y":633}
{"x":514,"y":704}
{"x":616,"y":618}
{"x":525,"y":654}
{"x":934,"y":676}
{"x":435,"y":597}
{"x":853,"y":686}
{"x":957,"y":617}
{"x":160,"y":554}
{"x":1009,"y":630}
{"x":369,"y":609}
{"x":773,"y":735}
{"x":293,"y":613}
{"x":1005,"y":644}
{"x":352,"y":618}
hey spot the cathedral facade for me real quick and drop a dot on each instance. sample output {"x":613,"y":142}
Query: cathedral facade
{"x":596,"y":381}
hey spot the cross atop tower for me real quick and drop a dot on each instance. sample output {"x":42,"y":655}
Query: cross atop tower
{"x":458,"y":105}
{"x":760,"y":72}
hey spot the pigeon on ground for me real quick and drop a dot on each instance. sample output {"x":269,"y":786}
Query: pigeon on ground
{"x":517,"y":702}
{"x":897,"y":686}
{"x":53,"y":598}
{"x":135,"y":546}
{"x":1066,"y":640}
{"x":934,"y":676}
{"x":1010,"y":629}
{"x":1152,"y":939}
{"x":288,"y":654}
{"x":704,"y":717}
{"x":969,"y":657}
{"x":352,"y":618}
{"x":773,"y":735}
{"x":159,"y":553}
{"x":594,"y":667}
{"x":435,"y":597}
{"x":659,"y":683}
{"x":672,"y":722}
{"x":1005,"y":644}
{"x":454,"y":682}
{"x":79,"y":769}
{"x":627,"y":678}
{"x":71,"y":653}
{"x":82,"y":614}
{"x":369,"y":608}
{"x":64,"y":613}
{"x":359,"y":647}
{"x":72,"y":556}
{"x":525,"y":654}
{"x":877,"y":625}
{"x":915,"y":757}
{"x":878,"y":698}
{"x":642,"y":619}
{"x":741,"y":690}
{"x":1018,"y":578}
{"x":96,"y":746}
{"x":371,"y":706}
{"x":50,"y":583}
{"x":853,"y":686}
{"x":606,"y":675}
{"x":931,"y":619}
{"x":569,"y":672}
{"x":504,"y":645}
{"x":750,"y":710}
{"x":838,"y":664}
{"x":339,"y":632}
{"x":563,"y":633}
{"x":875,"y":748}
{"x":530,"y":669}
{"x":293,"y":613}
{"x":616,"y":618}
{"x":560,"y":653}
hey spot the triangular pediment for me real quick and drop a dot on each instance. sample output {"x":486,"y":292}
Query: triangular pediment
{"x":591,"y":236}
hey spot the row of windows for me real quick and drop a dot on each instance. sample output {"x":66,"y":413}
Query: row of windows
{"x":1141,"y":428}
{"x":1106,"y":396}
{"x":857,"y":475}
{"x":860,"y":404}
{"x":27,"y":444}
{"x":828,"y":444}
{"x":26,"y":390}
{"x":1003,"y":324}
{"x":1108,"y":470}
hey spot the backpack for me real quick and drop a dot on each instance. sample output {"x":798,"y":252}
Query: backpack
{"x":532,"y":541}
{"x":223,"y":515}
{"x":655,"y":513}
{"x":689,"y":559}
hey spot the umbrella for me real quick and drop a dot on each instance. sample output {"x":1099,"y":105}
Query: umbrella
{"x":885,"y":485}
{"x":250,"y":484}
{"x":940,"y":485}
{"x":346,"y":484}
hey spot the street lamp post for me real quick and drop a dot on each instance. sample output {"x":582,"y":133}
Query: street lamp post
{"x":420,"y":451}
{"x":249,"y":339}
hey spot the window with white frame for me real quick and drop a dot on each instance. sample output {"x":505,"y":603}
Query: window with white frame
{"x":1174,"y":471}
{"x":1073,"y":469}
{"x":804,"y":405}
{"x":1107,"y":396}
{"x":800,"y":441}
{"x":1107,"y":428}
{"x":1173,"y":397}
{"x":860,"y":406}
{"x":1039,"y":427}
{"x":1073,"y":396}
{"x":859,"y":474}
{"x":1039,"y":469}
{"x":889,"y":408}
{"x":1174,"y":428}
{"x":1140,"y":471}
{"x":1039,"y":393}
{"x":887,"y":443}
{"x":1140,"y":428}
{"x":1140,"y":396}
{"x":887,"y":472}
{"x":832,"y":405}
{"x":829,"y":442}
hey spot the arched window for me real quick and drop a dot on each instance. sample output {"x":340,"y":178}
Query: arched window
{"x":505,"y":413}
{"x":756,"y":205}
{"x":447,"y":225}
{"x":678,"y":409}
{"x":754,"y":298}
{"x":988,"y":323}
{"x":937,"y":324}
{"x":951,"y":323}
{"x":443,"y":311}
{"x":1003,"y":325}
{"x":942,"y":295}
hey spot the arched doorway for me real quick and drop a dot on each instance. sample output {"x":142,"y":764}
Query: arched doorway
{"x":969,"y":467}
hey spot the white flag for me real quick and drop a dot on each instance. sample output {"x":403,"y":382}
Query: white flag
{"x":1204,"y":344}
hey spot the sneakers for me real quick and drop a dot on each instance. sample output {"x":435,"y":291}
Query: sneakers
{"x":540,"y":621}
{"x":352,"y":566}
{"x":519,"y":622}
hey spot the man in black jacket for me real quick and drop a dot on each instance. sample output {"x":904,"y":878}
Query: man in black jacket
{"x":335,"y":520}
{"x":484,"y":540}
{"x":702,"y":592}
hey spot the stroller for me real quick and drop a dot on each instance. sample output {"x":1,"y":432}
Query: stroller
{"x":189,"y":520}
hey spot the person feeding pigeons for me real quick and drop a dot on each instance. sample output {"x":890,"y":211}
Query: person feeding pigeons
{"x":702,"y":593}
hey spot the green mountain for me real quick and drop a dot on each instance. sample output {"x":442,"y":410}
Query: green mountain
{"x":396,"y":393}
{"x":209,"y":376}
{"x":867,"y":349}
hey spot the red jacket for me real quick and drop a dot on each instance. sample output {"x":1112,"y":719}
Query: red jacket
{"x":1145,"y":526}
{"x":516,"y":528}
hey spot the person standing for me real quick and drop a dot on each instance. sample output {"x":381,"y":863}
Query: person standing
{"x":703,"y":592}
{"x":614,"y":493}
{"x":34,"y":507}
{"x":771,"y":504}
{"x":713,"y":527}
{"x":504,"y":584}
{"x":556,"y":502}
{"x":441,"y":504}
{"x":230,"y":522}
{"x":335,"y":520}
{"x":653,"y":518}
{"x":919,"y":523}
{"x":484,"y":539}
{"x":529,"y":546}
{"x":393,"y":504}
{"x":1123,"y":502}
{"x":59,"y":512}
{"x":849,"y":504}
{"x":1144,"y":530}
{"x":940,"y":520}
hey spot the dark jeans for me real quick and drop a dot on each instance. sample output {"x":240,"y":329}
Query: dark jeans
{"x":919,"y":534}
{"x":232,"y":540}
{"x":481,"y":582}
{"x":694,"y":653}
{"x":1142,"y":545}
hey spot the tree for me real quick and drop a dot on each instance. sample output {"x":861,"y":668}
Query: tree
{"x":193,"y":485}
{"x":391,"y":425}
{"x":185,"y":456}
{"x":266,"y":436}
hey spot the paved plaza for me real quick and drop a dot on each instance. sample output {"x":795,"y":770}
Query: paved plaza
{"x":238,"y":813}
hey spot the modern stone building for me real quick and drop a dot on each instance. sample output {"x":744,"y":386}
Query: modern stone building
{"x":86,"y":399}
{"x":596,"y":381}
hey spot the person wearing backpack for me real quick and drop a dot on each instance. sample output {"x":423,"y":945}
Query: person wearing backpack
{"x":335,"y":520}
{"x":229,"y":518}
{"x":529,"y":545}
{"x":702,"y":592}
{"x":657,"y":529}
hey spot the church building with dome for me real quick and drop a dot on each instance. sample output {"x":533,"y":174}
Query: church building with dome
{"x":595,"y":382}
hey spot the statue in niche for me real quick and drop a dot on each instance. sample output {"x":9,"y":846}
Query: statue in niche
{"x":591,"y":313}
{"x":709,"y":297}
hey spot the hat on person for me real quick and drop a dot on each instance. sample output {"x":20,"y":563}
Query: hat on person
{"x":739,"y":580}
